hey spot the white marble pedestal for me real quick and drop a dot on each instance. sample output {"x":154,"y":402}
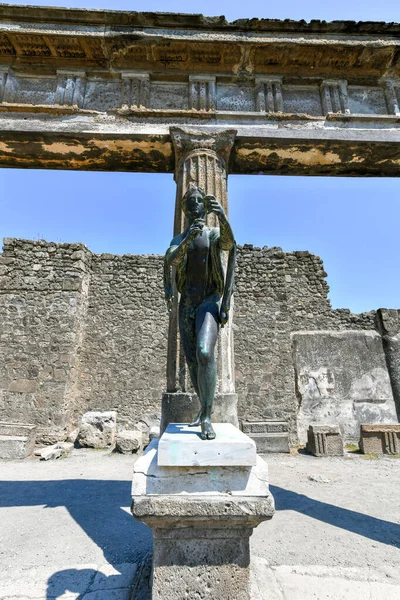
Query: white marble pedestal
{"x":201,"y":516}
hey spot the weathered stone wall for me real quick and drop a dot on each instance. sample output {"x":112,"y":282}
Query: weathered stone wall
{"x":43,"y":301}
{"x":278,"y":293}
{"x":123,"y":358}
{"x":80,"y":331}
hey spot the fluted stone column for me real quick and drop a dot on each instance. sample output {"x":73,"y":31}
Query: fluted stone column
{"x":200,"y":159}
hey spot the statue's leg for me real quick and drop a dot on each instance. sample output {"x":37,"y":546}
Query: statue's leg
{"x":187,"y":328}
{"x":207,"y":332}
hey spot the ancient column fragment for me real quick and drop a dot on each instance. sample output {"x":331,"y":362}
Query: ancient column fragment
{"x":71,"y":86}
{"x":135,"y":91}
{"x":392,"y":95}
{"x":269,"y":94}
{"x":334,"y":97}
{"x":200,"y":159}
{"x":201,"y":92}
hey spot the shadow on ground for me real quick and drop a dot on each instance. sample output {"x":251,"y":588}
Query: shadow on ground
{"x":375,"y":529}
{"x":98,"y":507}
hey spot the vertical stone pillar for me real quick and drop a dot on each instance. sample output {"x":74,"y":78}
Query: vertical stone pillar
{"x":201,"y":159}
{"x":388,"y":324}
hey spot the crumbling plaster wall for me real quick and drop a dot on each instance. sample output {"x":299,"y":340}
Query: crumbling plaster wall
{"x":81,"y":331}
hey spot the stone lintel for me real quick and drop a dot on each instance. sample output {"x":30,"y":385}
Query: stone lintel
{"x":182,"y":446}
{"x":91,"y":144}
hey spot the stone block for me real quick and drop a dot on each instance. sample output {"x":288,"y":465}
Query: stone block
{"x":58,"y":450}
{"x":269,"y":436}
{"x":23,"y":386}
{"x":182,"y":446}
{"x":98,"y":429}
{"x":325,"y":440}
{"x":16,"y":440}
{"x":129,"y":441}
{"x":380,"y":439}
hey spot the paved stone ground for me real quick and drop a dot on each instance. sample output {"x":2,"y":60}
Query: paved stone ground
{"x":66,"y":531}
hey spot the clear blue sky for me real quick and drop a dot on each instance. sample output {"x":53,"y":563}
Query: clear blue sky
{"x":353,"y":224}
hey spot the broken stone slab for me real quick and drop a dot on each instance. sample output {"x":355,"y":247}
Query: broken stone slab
{"x":380,"y":439}
{"x":58,"y":450}
{"x":182,"y":446}
{"x":17,"y":440}
{"x":201,"y":518}
{"x":269,"y":436}
{"x":324,"y":440}
{"x":98,"y":429}
{"x":129,"y":441}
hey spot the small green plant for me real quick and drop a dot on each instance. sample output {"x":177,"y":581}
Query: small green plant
{"x":352,"y":448}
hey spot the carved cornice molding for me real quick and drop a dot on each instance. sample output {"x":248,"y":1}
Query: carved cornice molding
{"x":194,"y":44}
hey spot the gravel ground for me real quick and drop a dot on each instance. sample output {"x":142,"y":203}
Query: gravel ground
{"x":66,"y":531}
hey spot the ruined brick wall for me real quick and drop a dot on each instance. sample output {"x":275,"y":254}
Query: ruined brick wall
{"x":82,"y":331}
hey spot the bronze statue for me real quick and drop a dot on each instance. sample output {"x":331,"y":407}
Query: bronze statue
{"x":205,"y":293}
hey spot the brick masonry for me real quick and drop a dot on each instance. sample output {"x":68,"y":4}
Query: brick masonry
{"x":83,"y":332}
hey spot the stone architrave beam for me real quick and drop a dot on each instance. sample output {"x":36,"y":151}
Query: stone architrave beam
{"x":99,"y":90}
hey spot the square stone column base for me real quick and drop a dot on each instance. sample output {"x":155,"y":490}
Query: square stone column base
{"x":182,"y":407}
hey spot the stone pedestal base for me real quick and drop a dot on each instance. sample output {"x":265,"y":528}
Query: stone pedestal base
{"x":324,"y":440}
{"x":201,"y":518}
{"x":182,"y":407}
{"x":380,"y":439}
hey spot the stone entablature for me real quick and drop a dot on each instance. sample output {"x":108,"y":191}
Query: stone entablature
{"x":130,"y":76}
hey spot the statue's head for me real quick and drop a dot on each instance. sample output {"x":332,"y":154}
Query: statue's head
{"x":194,"y":203}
